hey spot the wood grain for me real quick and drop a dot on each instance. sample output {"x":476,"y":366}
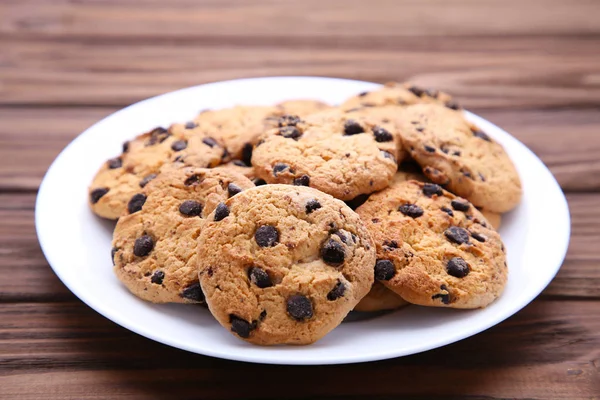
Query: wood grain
{"x":66,"y":350}
{"x":566,"y":140}
{"x":579,"y":277}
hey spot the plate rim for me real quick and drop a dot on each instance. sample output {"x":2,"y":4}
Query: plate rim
{"x":214,"y":352}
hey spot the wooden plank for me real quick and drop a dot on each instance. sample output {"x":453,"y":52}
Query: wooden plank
{"x":550,"y":350}
{"x":309,"y":18}
{"x":33,"y":280}
{"x":566,"y":140}
{"x":482,"y":71}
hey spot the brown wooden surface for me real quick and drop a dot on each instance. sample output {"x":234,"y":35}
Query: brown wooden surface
{"x":530,"y":66}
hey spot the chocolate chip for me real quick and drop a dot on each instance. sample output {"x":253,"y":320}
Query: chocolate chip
{"x":210,"y":142}
{"x":417,"y":91}
{"x":481,"y":177}
{"x":147,"y":179}
{"x":136,"y":203}
{"x":266,"y":236}
{"x":337,"y":291}
{"x":239,"y":163}
{"x":447,"y":211}
{"x":290,"y":132}
{"x":382,"y":135}
{"x":279,"y":167}
{"x":115,"y":163}
{"x":453,"y":105}
{"x":459,"y":205}
{"x":299,"y":307}
{"x":429,"y":149}
{"x":478,"y":236}
{"x":411,"y":210}
{"x":221,"y":211}
{"x":392,"y":244}
{"x":303,"y":180}
{"x":192,"y":180}
{"x":357,"y":201}
{"x":342,"y":236}
{"x":312,"y":205}
{"x":225,"y":154}
{"x":125,"y":147}
{"x":467,"y":174}
{"x":388,"y":155}
{"x":332,"y":252}
{"x":158,"y":135}
{"x":456,"y":153}
{"x":363,"y":94}
{"x":429,"y":189}
{"x":457,"y":235}
{"x":432,"y":93}
{"x":481,"y":135}
{"x":259,"y":182}
{"x":190,"y":125}
{"x":444,"y":297}
{"x":351,"y":127}
{"x":247,"y":153}
{"x":233,"y":189}
{"x":259,"y":277}
{"x":289,"y":120}
{"x":384,"y":270}
{"x":157,"y":277}
{"x":241,"y":327}
{"x":457,"y":267}
{"x":420,"y":128}
{"x":179,"y":145}
{"x":143,"y":246}
{"x":193,"y":292}
{"x":263,"y":315}
{"x":113,"y":251}
{"x":97,"y":194}
{"x":191,"y":208}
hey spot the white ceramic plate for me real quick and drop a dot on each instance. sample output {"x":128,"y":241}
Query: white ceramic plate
{"x":77,"y":244}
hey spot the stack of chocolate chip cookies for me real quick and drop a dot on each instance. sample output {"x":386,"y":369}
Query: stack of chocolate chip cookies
{"x":284,"y":219}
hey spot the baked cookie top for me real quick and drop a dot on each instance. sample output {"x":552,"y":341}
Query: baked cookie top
{"x":120,"y":178}
{"x":434,"y":248}
{"x":461,"y":157}
{"x":399,"y":94}
{"x":340,"y":158}
{"x":154,"y":243}
{"x":380,"y":298}
{"x":283,"y":264}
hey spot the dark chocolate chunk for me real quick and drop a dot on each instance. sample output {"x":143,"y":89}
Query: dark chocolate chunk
{"x":429,"y":149}
{"x":481,"y":135}
{"x":247,"y":153}
{"x":190,"y":125}
{"x":233,"y":189}
{"x":460,"y":205}
{"x":241,"y":327}
{"x":147,"y":179}
{"x":125,"y":147}
{"x":363,"y":94}
{"x":97,"y":194}
{"x":432,"y":93}
{"x":279,"y":167}
{"x":303,"y":180}
{"x":115,"y":163}
{"x":239,"y":163}
{"x":222,"y":211}
{"x":445,"y":298}
{"x":210,"y":142}
{"x":351,"y":127}
{"x":457,"y":267}
{"x":191,"y":208}
{"x":457,"y":235}
{"x":390,"y":244}
{"x":429,"y":189}
{"x":333,"y":253}
{"x":388,"y":155}
{"x":384,"y":270}
{"x":266,"y":236}
{"x":382,"y":135}
{"x":179,"y":145}
{"x":479,"y":237}
{"x":157,"y":277}
{"x":259,"y":277}
{"x":453,"y":105}
{"x":417,"y":91}
{"x":143,"y":246}
{"x":290,"y":132}
{"x":312,"y":205}
{"x":411,"y":210}
{"x":299,"y":307}
{"x":259,"y":182}
{"x":289,"y":120}
{"x":193,"y":292}
{"x":136,"y":203}
{"x":447,"y":211}
{"x":192,"y":180}
{"x":337,"y":291}
{"x":113,"y":251}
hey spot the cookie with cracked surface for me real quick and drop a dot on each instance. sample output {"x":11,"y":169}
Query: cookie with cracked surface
{"x":238,"y":128}
{"x":463,"y":158}
{"x":120,"y":178}
{"x":342,"y":159}
{"x":154,"y":243}
{"x":434,"y":248}
{"x":302,"y":107}
{"x":281,"y":264}
{"x":399,"y":94}
{"x":380,"y":298}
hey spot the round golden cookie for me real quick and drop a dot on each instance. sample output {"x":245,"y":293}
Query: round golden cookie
{"x":380,"y":298}
{"x":281,"y":264}
{"x":399,"y":94}
{"x":120,"y":178}
{"x":238,"y":128}
{"x":343,"y":160}
{"x":301,"y":107}
{"x":461,"y":157}
{"x":154,"y":243}
{"x":433,"y":248}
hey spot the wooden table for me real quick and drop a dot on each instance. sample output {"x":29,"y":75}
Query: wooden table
{"x":531,"y":66}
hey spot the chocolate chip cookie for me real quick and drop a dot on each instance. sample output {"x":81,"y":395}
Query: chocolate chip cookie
{"x":121,"y":177}
{"x":461,"y":157}
{"x":380,"y":298}
{"x":280,"y":264}
{"x":434,"y":248}
{"x":342,"y":159}
{"x":154,"y":243}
